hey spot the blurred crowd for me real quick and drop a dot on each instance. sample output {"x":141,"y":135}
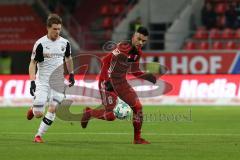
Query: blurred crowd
{"x":221,"y":15}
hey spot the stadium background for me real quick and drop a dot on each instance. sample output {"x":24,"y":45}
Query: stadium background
{"x":188,"y":39}
{"x":199,"y":46}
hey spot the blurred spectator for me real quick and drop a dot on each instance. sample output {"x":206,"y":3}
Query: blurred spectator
{"x":5,"y":65}
{"x":69,"y":4}
{"x":209,"y":16}
{"x":231,"y":16}
{"x":238,"y":13}
{"x":59,"y":6}
{"x":221,"y":21}
{"x":51,"y":5}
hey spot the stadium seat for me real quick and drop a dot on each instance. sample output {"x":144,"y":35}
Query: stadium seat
{"x":107,"y":23}
{"x":105,"y":10}
{"x":217,"y":45}
{"x":204,"y":45}
{"x":190,"y":45}
{"x":237,"y":46}
{"x":118,"y":9}
{"x":220,"y":8}
{"x":201,"y":33}
{"x":231,"y":45}
{"x":237,"y":34}
{"x":214,"y":34}
{"x":227,"y":34}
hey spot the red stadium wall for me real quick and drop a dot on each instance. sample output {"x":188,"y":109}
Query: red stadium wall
{"x":187,"y":90}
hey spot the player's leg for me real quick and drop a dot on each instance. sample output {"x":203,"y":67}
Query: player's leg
{"x":38,"y":108}
{"x":54,"y":102}
{"x":137,"y":123}
{"x":109,"y":101}
{"x":34,"y":112}
{"x":127,"y":94}
{"x":39,"y":111}
{"x":46,"y":121}
{"x":104,"y":111}
{"x":30,"y":114}
{"x":39,"y":101}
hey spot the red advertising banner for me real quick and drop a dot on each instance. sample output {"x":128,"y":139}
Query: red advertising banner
{"x":186,"y":89}
{"x":204,"y":86}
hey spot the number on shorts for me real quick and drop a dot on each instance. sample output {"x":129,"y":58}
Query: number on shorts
{"x":110,"y":99}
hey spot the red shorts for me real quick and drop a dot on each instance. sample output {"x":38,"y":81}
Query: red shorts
{"x":123,"y":91}
{"x":126,"y":93}
{"x":109,"y":98}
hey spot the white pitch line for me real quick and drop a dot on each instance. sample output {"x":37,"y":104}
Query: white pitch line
{"x":119,"y":133}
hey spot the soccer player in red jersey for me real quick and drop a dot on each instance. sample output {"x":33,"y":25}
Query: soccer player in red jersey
{"x":113,"y":83}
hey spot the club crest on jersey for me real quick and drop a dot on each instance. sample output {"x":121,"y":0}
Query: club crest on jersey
{"x":116,"y":52}
{"x":62,"y":48}
{"x":132,"y":58}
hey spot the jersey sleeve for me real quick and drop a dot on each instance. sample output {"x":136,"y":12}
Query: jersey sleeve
{"x":124,"y":47}
{"x":68,"y":51}
{"x":125,"y":53}
{"x":135,"y":69}
{"x":37,"y":53}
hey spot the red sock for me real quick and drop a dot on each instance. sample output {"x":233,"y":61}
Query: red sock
{"x":137,"y":120}
{"x":98,"y":113}
{"x":109,"y":116}
{"x":103,"y":114}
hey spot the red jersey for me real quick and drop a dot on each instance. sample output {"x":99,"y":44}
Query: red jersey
{"x":119,"y":62}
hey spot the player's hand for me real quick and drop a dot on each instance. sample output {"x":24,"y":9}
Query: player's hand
{"x":149,"y":77}
{"x":109,"y":86}
{"x":32,"y":88}
{"x":71,"y":79}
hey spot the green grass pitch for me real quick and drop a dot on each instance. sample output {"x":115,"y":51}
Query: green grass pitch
{"x":185,"y":133}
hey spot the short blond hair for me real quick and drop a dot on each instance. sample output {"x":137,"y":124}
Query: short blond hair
{"x":53,"y":19}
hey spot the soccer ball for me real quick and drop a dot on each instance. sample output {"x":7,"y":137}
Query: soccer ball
{"x":122,"y":110}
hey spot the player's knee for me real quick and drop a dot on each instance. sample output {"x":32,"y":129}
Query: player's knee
{"x":53,"y":106}
{"x":109,"y":116}
{"x":37,"y":114}
{"x":38,"y":111}
{"x":52,"y":109}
